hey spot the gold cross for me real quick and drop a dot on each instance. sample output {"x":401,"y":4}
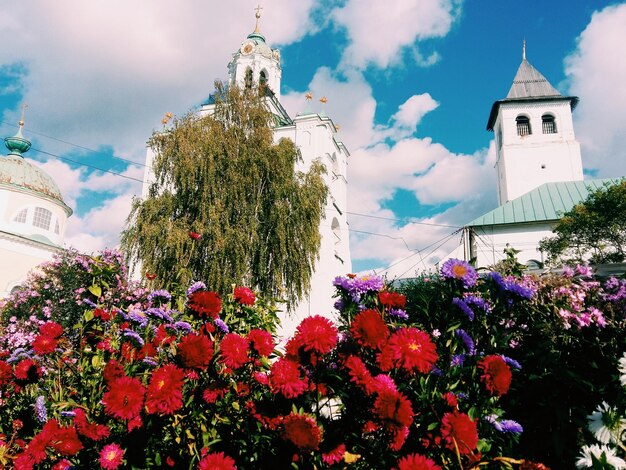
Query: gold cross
{"x":257,"y":15}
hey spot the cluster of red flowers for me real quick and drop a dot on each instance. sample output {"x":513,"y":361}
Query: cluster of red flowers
{"x":47,"y":339}
{"x":392,"y":299}
{"x":244,"y":296}
{"x":61,"y":439}
{"x":496,"y":374}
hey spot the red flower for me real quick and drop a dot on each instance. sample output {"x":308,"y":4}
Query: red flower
{"x":317,"y":334}
{"x":195,"y":351}
{"x":528,"y":465}
{"x":165,"y":390}
{"x":161,"y":336}
{"x":151,"y":276}
{"x":112,"y":370}
{"x":194,"y":235}
{"x":410,"y":349}
{"x":335,"y":455}
{"x":392,"y":299}
{"x":6,"y":373}
{"x":213,"y":393}
{"x":93,"y":431}
{"x":393,"y":407}
{"x":460,"y":429}
{"x":369,"y":329}
{"x":65,"y":441}
{"x":302,"y":431}
{"x":359,"y":374}
{"x":450,"y":399}
{"x":102,"y":314}
{"x":244,"y":296}
{"x":52,"y":329}
{"x":124,"y":399}
{"x":217,"y":461}
{"x":417,"y":462}
{"x":398,"y":437}
{"x":44,"y":344}
{"x":205,"y":303}
{"x":262,"y":341}
{"x":62,"y":465}
{"x":111,"y":457}
{"x":497,"y":374}
{"x":234,"y":351}
{"x":27,"y":371}
{"x":285,"y":378}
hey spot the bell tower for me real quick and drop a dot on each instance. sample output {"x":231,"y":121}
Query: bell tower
{"x":534,"y":134}
{"x":255,"y":63}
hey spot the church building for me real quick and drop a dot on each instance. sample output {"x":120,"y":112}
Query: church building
{"x":33,"y":216}
{"x":255,"y":64}
{"x":538,"y":168}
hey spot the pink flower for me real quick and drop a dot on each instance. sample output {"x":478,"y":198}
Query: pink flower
{"x":111,"y":457}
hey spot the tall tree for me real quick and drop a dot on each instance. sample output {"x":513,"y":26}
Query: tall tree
{"x":227,"y":206}
{"x":594,"y":230}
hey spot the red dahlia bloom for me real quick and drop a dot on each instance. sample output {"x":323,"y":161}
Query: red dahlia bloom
{"x":285,"y":378}
{"x":52,"y":329}
{"x":195,"y":351}
{"x":205,"y":303}
{"x":459,"y":428}
{"x":359,"y":374}
{"x":262,"y":341}
{"x":65,"y":441}
{"x":93,"y":431}
{"x":302,"y":431}
{"x":496,"y":374}
{"x":124,"y":399}
{"x":244,"y":296}
{"x":111,"y":457}
{"x":112,"y":370}
{"x":43,"y":344}
{"x":335,"y":455}
{"x":392,"y":299}
{"x":234,"y":351}
{"x":165,"y":390}
{"x":217,"y":461}
{"x":417,"y":462}
{"x":410,"y":349}
{"x":317,"y":334}
{"x":27,"y":371}
{"x":213,"y":393}
{"x":369,"y":329}
{"x":6,"y":373}
{"x":393,"y":407}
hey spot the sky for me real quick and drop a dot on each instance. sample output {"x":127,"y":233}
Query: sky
{"x":410,"y":82}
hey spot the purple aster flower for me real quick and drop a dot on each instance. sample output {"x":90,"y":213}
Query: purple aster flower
{"x":182,"y":326}
{"x":90,"y":303}
{"x":138,"y":316}
{"x":461,"y":396}
{"x":150,"y":361}
{"x":399,"y":314}
{"x":512,"y":362}
{"x":338,"y":304}
{"x":467,"y":340}
{"x":133,"y":335}
{"x":223,"y":327}
{"x":198,"y":285}
{"x":162,"y":294}
{"x":159,"y":313}
{"x":436,"y":371}
{"x":505,"y":426}
{"x":40,"y":409}
{"x":457,"y":360}
{"x":478,"y":302}
{"x":463,"y":307}
{"x":357,"y":286}
{"x":459,"y":270}
{"x":68,"y":414}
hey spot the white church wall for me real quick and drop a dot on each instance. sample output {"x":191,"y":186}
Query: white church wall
{"x":22,"y":257}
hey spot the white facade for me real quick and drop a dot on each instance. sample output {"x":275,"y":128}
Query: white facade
{"x":33,"y":216}
{"x":524,"y":162}
{"x":254,"y":64}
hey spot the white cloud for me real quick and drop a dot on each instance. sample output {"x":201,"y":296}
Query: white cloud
{"x":413,"y":110}
{"x":378,"y":31}
{"x":596,"y":72}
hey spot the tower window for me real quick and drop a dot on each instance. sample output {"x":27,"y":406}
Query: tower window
{"x":263,"y":79}
{"x":248,"y":79}
{"x":523,"y":125}
{"x":42,"y":218}
{"x":21,"y":216}
{"x":548,"y":124}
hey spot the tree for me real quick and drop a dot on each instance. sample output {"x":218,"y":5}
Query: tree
{"x":227,"y":206}
{"x":594,"y":230}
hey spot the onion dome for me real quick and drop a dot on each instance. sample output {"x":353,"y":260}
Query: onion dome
{"x":18,"y":174}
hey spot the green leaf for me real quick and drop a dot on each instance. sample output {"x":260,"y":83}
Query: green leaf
{"x":95,"y":290}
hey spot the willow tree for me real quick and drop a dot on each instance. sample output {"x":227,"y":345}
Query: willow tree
{"x":227,"y":205}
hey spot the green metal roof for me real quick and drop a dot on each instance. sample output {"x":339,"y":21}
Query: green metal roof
{"x":547,"y":202}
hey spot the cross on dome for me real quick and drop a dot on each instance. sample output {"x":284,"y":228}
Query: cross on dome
{"x":258,"y":16}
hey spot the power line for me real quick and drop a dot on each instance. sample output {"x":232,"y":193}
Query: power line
{"x":403,"y":219}
{"x":429,"y":253}
{"x":85,"y":164}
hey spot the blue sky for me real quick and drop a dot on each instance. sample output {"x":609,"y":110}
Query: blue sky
{"x":410,"y":82}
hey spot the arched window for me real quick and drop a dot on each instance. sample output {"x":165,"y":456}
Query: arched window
{"x":21,"y":216}
{"x":263,"y":78}
{"x":42,"y":218}
{"x":548,"y":124}
{"x":248,"y":79}
{"x":523,"y":125}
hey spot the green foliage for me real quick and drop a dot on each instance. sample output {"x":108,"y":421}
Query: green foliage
{"x":222,"y":177}
{"x":594,"y":230}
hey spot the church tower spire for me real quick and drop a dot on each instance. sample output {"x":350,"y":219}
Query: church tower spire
{"x":256,"y":63}
{"x":535,"y":140}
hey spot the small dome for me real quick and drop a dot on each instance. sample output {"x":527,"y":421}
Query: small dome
{"x":17,"y":171}
{"x":255,"y":44}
